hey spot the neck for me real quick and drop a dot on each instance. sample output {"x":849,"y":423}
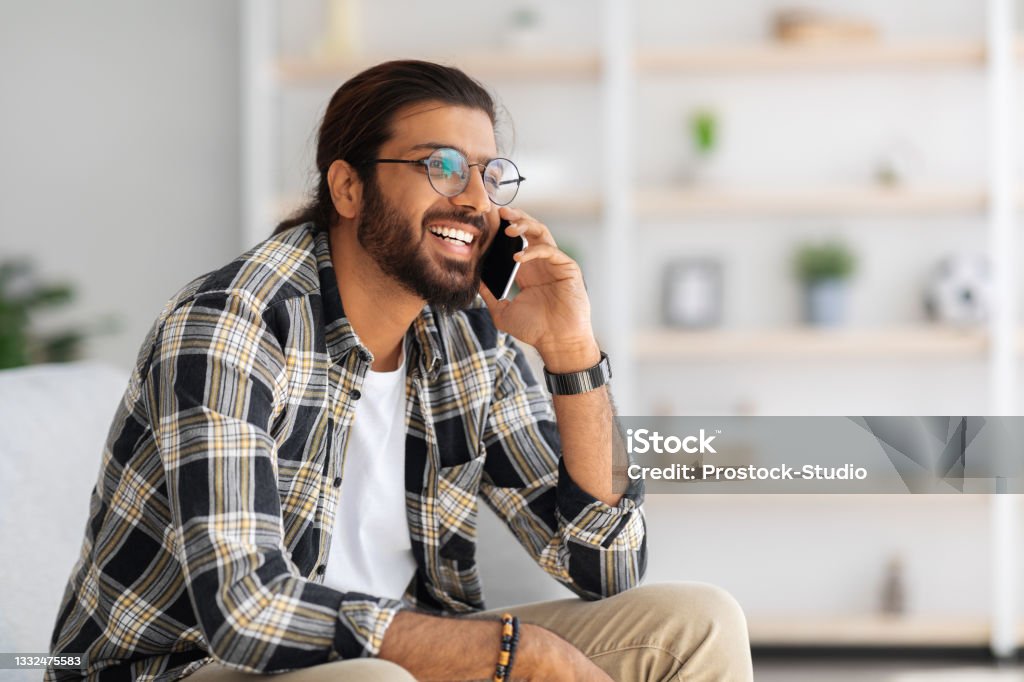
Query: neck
{"x":378,"y":308}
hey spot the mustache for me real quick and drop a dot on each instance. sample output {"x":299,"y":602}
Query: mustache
{"x":477,"y":220}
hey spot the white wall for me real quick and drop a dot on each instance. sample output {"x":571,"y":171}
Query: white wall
{"x":119,"y":161}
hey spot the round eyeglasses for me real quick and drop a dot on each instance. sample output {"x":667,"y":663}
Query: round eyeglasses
{"x":448,"y":173}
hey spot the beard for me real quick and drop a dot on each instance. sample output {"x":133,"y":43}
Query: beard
{"x":384,"y":233}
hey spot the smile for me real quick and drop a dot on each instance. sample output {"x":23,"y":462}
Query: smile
{"x":451,"y":234}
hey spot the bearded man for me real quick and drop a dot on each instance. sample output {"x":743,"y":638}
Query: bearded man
{"x":291,"y":481}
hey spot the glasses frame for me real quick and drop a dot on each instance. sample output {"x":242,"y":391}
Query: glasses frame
{"x":483,"y":168}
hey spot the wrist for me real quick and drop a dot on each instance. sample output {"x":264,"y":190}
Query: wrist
{"x":534,"y":653}
{"x":572,"y":356}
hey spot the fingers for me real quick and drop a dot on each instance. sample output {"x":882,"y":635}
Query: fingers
{"x":546,"y":252}
{"x":493,"y":304}
{"x":522,"y":224}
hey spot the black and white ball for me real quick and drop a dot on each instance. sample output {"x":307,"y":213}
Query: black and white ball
{"x":959,"y":290}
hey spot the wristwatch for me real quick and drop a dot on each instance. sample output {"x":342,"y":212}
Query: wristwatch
{"x":574,"y":383}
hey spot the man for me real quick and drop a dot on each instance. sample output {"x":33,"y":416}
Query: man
{"x":291,"y":480}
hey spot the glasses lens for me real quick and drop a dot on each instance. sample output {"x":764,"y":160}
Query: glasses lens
{"x":448,"y":171}
{"x":501,"y":178}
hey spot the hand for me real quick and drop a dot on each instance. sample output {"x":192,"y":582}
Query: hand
{"x":552,"y":310}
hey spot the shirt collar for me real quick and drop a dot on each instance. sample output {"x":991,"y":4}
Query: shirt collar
{"x":427,"y":347}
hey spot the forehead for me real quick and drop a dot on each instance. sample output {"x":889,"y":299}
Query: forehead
{"x":464,"y":128}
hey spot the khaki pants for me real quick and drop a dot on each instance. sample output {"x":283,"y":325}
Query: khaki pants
{"x":684,"y":632}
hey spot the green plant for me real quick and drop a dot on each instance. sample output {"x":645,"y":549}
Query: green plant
{"x":828,"y":260}
{"x":704,"y":130}
{"x":22,"y":295}
{"x":525,"y":17}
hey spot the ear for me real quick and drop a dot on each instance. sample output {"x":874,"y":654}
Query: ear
{"x":346,"y":188}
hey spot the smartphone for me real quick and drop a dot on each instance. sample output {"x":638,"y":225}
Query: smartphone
{"x":499,"y":268}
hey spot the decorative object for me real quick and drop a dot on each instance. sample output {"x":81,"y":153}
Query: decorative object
{"x":524,"y":27}
{"x":21,"y":296}
{"x":894,"y":601}
{"x":692,"y":293}
{"x":959,"y":290}
{"x":823,"y":269}
{"x":341,"y":38}
{"x":804,"y":27}
{"x":899,"y":162}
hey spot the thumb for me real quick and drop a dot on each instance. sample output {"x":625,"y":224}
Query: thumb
{"x":493,"y":305}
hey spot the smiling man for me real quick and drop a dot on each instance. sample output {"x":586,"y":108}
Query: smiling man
{"x":291,"y":481}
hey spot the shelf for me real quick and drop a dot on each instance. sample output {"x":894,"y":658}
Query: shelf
{"x":704,"y":59}
{"x":778,"y":56}
{"x":711,"y":202}
{"x":572,"y":205}
{"x":576,"y":206}
{"x":872,"y":631}
{"x":863,"y":201}
{"x":506,"y":65}
{"x":807,"y":343}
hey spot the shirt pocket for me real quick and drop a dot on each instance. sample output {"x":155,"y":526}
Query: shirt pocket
{"x":456,"y":508}
{"x":458,"y":488}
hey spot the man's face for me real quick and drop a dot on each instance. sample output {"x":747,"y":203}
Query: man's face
{"x":402,"y":215}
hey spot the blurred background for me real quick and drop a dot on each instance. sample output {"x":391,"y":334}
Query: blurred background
{"x":782,"y":207}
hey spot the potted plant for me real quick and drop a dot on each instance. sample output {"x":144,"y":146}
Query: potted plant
{"x":824,"y":269}
{"x":704,"y":132}
{"x":21,"y":296}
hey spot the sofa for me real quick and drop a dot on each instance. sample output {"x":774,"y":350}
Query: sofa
{"x":53,"y":422}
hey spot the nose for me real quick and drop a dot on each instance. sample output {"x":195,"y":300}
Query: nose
{"x":474,"y":195}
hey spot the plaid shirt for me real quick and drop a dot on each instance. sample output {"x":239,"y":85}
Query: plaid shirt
{"x":211,"y":520}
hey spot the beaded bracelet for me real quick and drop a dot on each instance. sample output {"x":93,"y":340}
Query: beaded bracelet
{"x":512,"y":651}
{"x":509,"y":641}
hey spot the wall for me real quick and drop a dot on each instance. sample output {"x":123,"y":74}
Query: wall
{"x":119,"y":131}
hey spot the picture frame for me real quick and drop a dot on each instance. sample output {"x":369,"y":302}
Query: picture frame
{"x":692,"y":293}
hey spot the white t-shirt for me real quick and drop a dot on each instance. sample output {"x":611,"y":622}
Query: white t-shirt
{"x":370,"y":548}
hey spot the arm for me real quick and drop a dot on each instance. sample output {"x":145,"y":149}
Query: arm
{"x":584,"y":423}
{"x":214,"y":386}
{"x":553,"y":484}
{"x":594,"y":548}
{"x":435,"y":648}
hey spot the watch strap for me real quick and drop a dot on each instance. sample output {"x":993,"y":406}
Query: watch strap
{"x":574,"y":383}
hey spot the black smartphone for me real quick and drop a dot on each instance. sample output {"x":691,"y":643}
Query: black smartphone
{"x":499,"y":268}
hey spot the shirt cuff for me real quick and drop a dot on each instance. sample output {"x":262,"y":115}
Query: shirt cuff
{"x":590,"y":519}
{"x":362,"y":622}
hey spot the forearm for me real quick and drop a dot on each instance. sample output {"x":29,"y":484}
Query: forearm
{"x":437,"y":648}
{"x":584,"y":424}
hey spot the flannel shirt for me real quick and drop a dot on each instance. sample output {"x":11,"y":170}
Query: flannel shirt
{"x":210,"y":522}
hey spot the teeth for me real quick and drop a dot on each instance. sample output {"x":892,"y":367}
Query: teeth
{"x":452,"y":234}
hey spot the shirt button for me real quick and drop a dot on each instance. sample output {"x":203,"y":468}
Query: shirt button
{"x":321,"y":569}
{"x":337,"y":482}
{"x":356,"y":394}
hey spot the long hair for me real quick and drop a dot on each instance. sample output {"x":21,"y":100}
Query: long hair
{"x":359,"y":116}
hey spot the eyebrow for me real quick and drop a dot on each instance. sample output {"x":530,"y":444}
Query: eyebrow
{"x":438,"y":145}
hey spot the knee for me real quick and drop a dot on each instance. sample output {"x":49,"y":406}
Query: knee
{"x":701,"y":626}
{"x":695,"y":606}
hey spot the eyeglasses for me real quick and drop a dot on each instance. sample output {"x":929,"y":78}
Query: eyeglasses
{"x":448,"y":173}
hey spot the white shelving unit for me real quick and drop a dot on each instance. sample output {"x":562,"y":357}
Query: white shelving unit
{"x":616,"y":68}
{"x":916,"y":342}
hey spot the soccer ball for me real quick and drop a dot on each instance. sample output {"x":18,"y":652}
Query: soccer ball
{"x":959,"y":290}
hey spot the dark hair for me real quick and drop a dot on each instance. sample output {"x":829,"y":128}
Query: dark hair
{"x":359,"y":116}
